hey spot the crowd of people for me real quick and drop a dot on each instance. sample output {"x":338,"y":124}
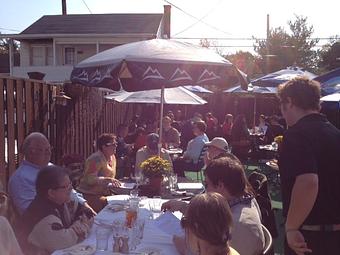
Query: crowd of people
{"x":226,"y":219}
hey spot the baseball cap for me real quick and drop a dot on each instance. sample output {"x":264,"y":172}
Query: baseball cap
{"x":219,"y":142}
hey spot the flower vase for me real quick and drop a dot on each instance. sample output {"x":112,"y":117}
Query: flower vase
{"x":156,"y":184}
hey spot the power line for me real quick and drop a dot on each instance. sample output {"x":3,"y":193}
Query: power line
{"x":242,"y":38}
{"x":87,"y":7}
{"x":203,"y":17}
{"x":9,"y":29}
{"x":190,"y":15}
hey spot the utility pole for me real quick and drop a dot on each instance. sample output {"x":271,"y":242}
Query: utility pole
{"x":267,"y":46}
{"x":63,"y":5}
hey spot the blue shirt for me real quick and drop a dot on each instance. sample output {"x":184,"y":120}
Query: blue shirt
{"x":195,"y":147}
{"x":21,"y":186}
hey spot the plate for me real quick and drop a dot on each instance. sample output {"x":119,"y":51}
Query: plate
{"x":82,"y":249}
{"x":150,"y":250}
{"x":116,"y":207}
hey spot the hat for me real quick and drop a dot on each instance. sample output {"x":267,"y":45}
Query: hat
{"x":219,"y":142}
{"x":152,"y":141}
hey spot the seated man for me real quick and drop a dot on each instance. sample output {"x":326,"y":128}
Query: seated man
{"x":170,"y":134}
{"x":151,"y":149}
{"x":226,"y":176}
{"x":191,"y":155}
{"x":123,"y":152}
{"x":217,"y":148}
{"x":37,"y":154}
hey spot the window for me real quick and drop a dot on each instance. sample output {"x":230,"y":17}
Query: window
{"x":69,"y":56}
{"x":38,"y":56}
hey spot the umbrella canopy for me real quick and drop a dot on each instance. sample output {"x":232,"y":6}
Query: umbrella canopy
{"x":331,"y":98}
{"x":151,"y":64}
{"x":197,"y":89}
{"x":252,"y":90}
{"x":276,"y":78}
{"x":330,"y":82}
{"x":177,"y":95}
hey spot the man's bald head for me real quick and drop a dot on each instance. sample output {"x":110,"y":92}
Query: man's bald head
{"x":36,"y":149}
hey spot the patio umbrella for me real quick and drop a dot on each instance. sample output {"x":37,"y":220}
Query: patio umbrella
{"x":252,"y":91}
{"x":177,"y":95}
{"x":155,"y":64}
{"x":276,"y":78}
{"x":330,"y":82}
{"x":198,"y":89}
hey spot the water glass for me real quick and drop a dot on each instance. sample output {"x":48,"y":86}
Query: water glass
{"x":173,"y":181}
{"x":155,"y":206}
{"x":134,"y":193}
{"x":102,"y":238}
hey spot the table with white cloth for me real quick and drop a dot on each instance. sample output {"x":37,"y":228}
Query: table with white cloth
{"x":157,"y":235}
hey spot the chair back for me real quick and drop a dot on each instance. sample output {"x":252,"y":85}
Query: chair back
{"x":268,"y":241}
{"x":200,"y":162}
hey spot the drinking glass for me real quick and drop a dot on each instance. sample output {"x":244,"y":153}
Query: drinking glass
{"x":134,"y":194}
{"x":173,"y":182}
{"x":155,"y":206}
{"x":102,"y":238}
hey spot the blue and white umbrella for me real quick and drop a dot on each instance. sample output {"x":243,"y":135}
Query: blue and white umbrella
{"x":279,"y":77}
{"x":330,"y":82}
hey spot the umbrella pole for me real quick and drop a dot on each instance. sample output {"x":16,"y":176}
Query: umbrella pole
{"x":161,"y":122}
{"x":254,"y":117}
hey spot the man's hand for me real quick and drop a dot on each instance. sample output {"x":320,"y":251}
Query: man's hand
{"x":297,"y":242}
{"x":174,"y":205}
{"x":115,"y":183}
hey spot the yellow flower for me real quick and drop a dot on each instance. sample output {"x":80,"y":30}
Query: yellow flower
{"x":155,"y":166}
{"x":278,"y":139}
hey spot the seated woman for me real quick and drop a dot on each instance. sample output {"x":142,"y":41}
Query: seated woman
{"x":240,"y":139}
{"x":100,"y":171}
{"x":8,"y":243}
{"x":226,"y":176}
{"x":206,"y":237}
{"x":49,"y":224}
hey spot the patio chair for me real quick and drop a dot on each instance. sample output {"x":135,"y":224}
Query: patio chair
{"x":268,"y":242}
{"x":198,"y":167}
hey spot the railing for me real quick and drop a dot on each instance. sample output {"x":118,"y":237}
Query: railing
{"x":29,"y":106}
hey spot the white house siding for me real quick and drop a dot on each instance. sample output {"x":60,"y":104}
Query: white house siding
{"x":24,"y":54}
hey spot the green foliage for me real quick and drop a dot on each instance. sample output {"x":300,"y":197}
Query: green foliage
{"x":245,"y":61}
{"x":283,"y":49}
{"x":4,"y":46}
{"x":330,"y":55}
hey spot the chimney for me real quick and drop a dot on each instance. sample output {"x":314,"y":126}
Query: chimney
{"x":166,"y":20}
{"x":63,"y":4}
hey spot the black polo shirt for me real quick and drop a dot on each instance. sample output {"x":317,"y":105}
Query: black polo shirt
{"x":312,"y":145}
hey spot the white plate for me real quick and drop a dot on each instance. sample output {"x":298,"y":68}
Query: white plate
{"x":150,"y":250}
{"x":81,"y":249}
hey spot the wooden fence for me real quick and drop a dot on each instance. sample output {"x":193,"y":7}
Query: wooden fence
{"x":29,"y":105}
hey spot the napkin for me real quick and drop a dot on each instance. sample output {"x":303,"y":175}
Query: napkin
{"x":169,"y":224}
{"x":190,"y":185}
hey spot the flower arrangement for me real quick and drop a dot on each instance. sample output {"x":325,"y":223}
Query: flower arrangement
{"x":155,"y":167}
{"x":278,"y":139}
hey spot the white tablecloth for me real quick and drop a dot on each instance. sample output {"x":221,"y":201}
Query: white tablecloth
{"x":157,"y":233}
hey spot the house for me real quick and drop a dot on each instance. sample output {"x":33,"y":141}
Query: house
{"x":55,"y":43}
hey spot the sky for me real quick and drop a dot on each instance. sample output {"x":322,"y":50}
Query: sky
{"x":218,"y":18}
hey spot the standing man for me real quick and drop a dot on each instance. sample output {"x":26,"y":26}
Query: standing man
{"x":310,"y":173}
{"x":37,"y":154}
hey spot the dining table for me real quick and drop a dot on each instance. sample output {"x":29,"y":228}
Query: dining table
{"x":158,"y":233}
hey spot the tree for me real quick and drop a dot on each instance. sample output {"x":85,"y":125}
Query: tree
{"x":245,"y":61}
{"x":330,"y":55}
{"x":283,"y":49}
{"x":211,"y":44}
{"x":4,"y":46}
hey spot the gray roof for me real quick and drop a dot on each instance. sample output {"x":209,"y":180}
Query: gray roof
{"x":96,"y":24}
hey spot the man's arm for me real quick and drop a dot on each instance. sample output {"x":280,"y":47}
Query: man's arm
{"x":300,"y":207}
{"x":300,"y":204}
